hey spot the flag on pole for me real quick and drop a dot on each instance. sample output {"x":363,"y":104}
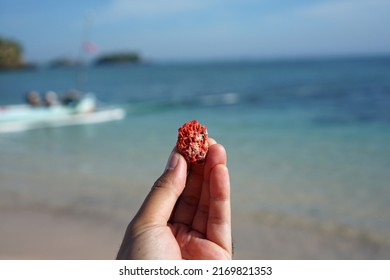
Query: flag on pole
{"x":89,"y":47}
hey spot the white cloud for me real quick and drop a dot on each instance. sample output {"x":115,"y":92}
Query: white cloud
{"x":119,"y":10}
{"x":358,"y":12}
{"x":342,"y":26}
{"x":319,"y":27}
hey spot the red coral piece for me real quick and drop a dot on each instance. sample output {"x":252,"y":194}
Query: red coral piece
{"x":192,"y":141}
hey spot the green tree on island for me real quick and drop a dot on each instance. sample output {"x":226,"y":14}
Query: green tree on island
{"x":10,"y":54}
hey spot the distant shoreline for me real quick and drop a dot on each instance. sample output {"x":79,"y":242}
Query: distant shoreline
{"x":27,"y":66}
{"x":117,"y":60}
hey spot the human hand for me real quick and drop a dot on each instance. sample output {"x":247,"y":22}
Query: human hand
{"x":185,"y":216}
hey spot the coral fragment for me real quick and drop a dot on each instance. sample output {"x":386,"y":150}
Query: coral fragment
{"x":192,"y":141}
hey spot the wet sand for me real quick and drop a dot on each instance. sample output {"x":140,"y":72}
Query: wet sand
{"x":40,"y":233}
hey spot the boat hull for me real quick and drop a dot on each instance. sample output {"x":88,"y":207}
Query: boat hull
{"x":21,"y":118}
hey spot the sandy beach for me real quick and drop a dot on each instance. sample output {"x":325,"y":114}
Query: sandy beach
{"x":38,"y":233}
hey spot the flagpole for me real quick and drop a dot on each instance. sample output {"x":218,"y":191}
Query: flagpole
{"x":86,"y":48}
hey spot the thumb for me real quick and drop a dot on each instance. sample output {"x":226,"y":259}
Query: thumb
{"x":158,"y":205}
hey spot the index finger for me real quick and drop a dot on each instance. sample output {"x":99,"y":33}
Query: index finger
{"x":187,"y":203}
{"x":219,"y":220}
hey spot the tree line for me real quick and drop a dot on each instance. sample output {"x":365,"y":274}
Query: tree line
{"x":11,"y":57}
{"x":10,"y":54}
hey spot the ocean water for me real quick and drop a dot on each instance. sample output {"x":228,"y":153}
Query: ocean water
{"x":307,"y":140}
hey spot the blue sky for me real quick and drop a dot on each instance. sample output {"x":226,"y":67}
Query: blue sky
{"x":198,"y":29}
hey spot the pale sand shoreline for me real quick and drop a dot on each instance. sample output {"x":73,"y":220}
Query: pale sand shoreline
{"x":43,"y":234}
{"x":46,"y":234}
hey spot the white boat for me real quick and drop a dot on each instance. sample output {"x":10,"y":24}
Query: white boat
{"x":14,"y":118}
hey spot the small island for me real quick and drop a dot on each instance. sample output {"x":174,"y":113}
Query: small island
{"x":11,"y":58}
{"x":64,"y":63}
{"x":11,"y":55}
{"x":115,"y":58}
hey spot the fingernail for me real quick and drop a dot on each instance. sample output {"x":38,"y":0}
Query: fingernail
{"x":172,"y":161}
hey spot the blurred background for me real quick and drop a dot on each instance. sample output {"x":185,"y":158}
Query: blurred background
{"x":297,"y":92}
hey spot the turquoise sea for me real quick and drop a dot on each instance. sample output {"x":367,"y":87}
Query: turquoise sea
{"x":307,"y":140}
